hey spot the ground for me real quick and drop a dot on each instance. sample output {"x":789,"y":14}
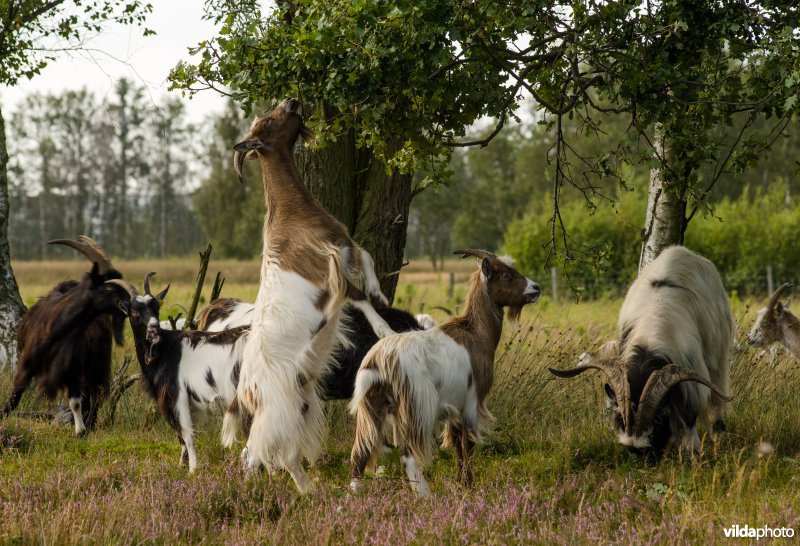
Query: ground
{"x":551,"y":472}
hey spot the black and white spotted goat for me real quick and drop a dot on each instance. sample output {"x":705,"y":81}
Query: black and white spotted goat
{"x":188,"y":373}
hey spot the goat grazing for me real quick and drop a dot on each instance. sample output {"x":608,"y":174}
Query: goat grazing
{"x":65,"y":339}
{"x":188,"y":373}
{"x":445,"y":373}
{"x":775,"y":323}
{"x":675,"y":330}
{"x":310,"y":268}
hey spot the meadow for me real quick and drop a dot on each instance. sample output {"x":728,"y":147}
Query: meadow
{"x":551,"y":472}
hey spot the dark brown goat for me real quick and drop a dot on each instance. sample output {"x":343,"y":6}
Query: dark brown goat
{"x":65,"y":339}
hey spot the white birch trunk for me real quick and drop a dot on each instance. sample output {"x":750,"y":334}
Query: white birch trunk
{"x":11,"y":306}
{"x":663,"y":225}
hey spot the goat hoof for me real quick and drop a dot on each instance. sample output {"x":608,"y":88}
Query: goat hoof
{"x":719,"y":426}
{"x":82,"y":433}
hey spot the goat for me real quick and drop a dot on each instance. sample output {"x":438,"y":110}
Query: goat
{"x":338,"y":382}
{"x":675,"y":330}
{"x":310,"y":268}
{"x":445,"y":373}
{"x":186,"y":372}
{"x":65,"y":339}
{"x":775,"y":323}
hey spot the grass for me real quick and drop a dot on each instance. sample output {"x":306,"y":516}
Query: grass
{"x":551,"y":473}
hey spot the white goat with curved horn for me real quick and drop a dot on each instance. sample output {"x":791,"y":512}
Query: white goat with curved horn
{"x":675,"y":331}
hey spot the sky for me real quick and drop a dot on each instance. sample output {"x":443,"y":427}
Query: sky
{"x":123,"y":51}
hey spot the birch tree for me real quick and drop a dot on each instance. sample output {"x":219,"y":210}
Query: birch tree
{"x":27,"y":27}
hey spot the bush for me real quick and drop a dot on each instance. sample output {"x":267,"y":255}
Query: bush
{"x":742,"y":237}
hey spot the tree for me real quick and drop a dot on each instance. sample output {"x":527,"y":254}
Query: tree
{"x":24,"y":26}
{"x":409,"y":77}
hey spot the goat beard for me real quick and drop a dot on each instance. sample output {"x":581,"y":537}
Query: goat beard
{"x":513,"y":314}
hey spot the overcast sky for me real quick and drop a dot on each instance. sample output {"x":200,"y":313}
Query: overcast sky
{"x":123,"y":51}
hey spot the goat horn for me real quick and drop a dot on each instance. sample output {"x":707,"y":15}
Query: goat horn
{"x":478,"y":253}
{"x":89,"y":248}
{"x":125,"y":285}
{"x":657,"y":386}
{"x":617,"y":377}
{"x":773,"y":299}
{"x":238,"y":162}
{"x":147,"y":282}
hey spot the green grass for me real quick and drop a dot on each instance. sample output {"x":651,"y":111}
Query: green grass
{"x":551,"y":473}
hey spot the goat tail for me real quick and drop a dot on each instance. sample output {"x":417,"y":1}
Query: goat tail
{"x":397,"y":383}
{"x":337,"y":281}
{"x":231,"y":423}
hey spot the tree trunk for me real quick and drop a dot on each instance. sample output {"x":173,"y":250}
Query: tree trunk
{"x":666,"y":208}
{"x":11,"y":306}
{"x":356,"y":189}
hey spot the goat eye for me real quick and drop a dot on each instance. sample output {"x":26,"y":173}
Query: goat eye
{"x":506,"y":277}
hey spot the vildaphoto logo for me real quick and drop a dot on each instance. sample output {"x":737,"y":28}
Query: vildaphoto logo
{"x":745,"y":531}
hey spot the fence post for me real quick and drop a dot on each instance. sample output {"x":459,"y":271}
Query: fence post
{"x":770,"y":283}
{"x":553,"y":284}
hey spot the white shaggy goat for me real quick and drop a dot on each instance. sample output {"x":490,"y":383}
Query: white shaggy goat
{"x":188,"y":373}
{"x":310,"y":268}
{"x":416,"y":379}
{"x":775,"y":323}
{"x":675,"y":330}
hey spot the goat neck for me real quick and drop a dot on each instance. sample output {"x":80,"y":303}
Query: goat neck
{"x":478,"y":330}
{"x":284,"y":192}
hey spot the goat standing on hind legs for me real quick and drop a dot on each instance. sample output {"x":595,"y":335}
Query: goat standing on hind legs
{"x":416,"y":379}
{"x":310,"y":268}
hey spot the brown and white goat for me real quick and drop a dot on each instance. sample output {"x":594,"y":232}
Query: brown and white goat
{"x":775,"y":323}
{"x":670,"y":364}
{"x":415,"y":379}
{"x":310,"y":268}
{"x":65,"y":339}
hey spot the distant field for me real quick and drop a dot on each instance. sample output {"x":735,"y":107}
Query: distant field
{"x":551,"y":473}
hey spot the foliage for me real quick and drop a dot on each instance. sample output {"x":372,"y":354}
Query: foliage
{"x":423,"y":72}
{"x":612,"y":234}
{"x":27,"y":23}
{"x":741,"y":238}
{"x":749,"y":234}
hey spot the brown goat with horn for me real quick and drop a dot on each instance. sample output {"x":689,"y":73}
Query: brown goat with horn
{"x":670,"y":364}
{"x":65,"y":339}
{"x":419,"y":378}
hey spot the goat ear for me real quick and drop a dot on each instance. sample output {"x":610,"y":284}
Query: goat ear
{"x":95,"y":276}
{"x":486,"y":268}
{"x":787,"y":304}
{"x":161,"y":296}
